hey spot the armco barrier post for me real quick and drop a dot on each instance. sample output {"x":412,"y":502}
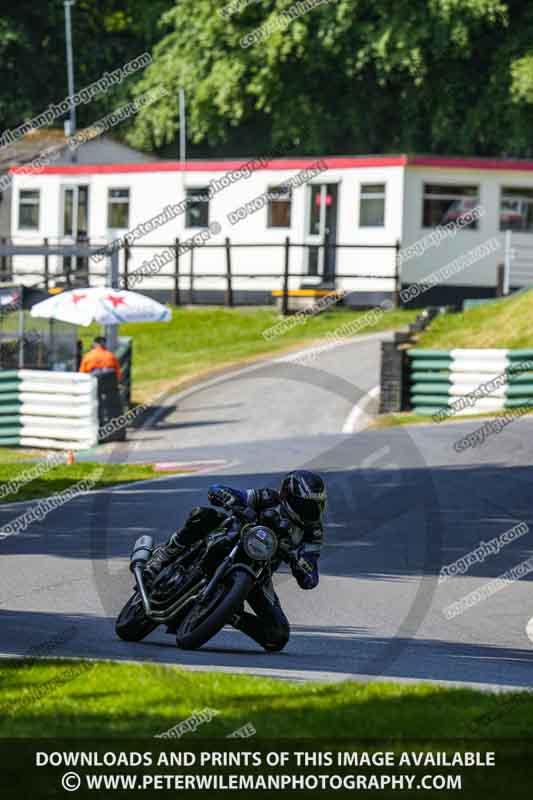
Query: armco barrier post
{"x":109,"y":409}
{"x":391,"y":378}
{"x":405,"y":340}
{"x":394,"y":375}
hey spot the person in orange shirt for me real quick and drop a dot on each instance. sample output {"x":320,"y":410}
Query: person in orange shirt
{"x":100,"y":360}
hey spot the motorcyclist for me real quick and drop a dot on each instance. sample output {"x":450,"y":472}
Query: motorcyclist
{"x":294,"y":512}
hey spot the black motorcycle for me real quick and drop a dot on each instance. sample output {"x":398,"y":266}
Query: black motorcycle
{"x":202,"y":589}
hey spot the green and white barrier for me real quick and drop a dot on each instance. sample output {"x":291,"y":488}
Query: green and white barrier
{"x":51,"y":410}
{"x":469,"y":381}
{"x":9,"y":408}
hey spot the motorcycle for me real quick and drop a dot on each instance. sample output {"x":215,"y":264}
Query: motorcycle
{"x":200,"y":592}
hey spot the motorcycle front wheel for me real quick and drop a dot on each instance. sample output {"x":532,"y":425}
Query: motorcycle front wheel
{"x":132,"y":624}
{"x":202,"y":622}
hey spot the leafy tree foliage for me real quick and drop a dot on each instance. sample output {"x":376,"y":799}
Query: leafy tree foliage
{"x":106,"y":34}
{"x":348,"y":76}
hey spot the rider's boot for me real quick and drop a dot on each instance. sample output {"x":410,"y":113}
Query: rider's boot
{"x":162,"y":556}
{"x":197,"y":525}
{"x":237,"y":618}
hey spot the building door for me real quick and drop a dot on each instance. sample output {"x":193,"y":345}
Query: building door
{"x":76,"y":231}
{"x":322,"y":228}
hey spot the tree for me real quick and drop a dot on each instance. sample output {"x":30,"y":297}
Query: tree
{"x":106,"y":34}
{"x":347,"y":76}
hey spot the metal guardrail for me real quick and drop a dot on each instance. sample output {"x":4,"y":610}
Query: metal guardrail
{"x":47,"y":409}
{"x":486,"y":380}
{"x":121,"y":269}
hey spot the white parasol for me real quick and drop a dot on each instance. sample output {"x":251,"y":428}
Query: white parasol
{"x":102,"y":305}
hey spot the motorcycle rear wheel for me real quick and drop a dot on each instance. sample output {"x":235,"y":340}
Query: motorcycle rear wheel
{"x":201,"y":624}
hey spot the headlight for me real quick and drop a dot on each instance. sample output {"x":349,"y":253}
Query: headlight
{"x":259,"y":543}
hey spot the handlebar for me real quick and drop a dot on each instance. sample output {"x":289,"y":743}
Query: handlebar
{"x":244,"y":514}
{"x":286,"y":549}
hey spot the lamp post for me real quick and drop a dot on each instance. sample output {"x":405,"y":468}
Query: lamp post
{"x":183,"y":140}
{"x":70,"y":68}
{"x":183,"y":126}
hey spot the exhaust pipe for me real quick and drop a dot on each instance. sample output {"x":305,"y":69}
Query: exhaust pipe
{"x":141,"y":554}
{"x":138,"y":573}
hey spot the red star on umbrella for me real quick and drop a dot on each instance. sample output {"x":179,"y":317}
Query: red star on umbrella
{"x":117,"y":301}
{"x":77,"y":297}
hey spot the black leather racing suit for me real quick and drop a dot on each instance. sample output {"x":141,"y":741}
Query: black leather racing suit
{"x":268,"y":625}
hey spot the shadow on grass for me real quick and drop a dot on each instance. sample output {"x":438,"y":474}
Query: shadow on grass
{"x":145,"y":701}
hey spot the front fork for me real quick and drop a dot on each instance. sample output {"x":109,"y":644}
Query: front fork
{"x":227,"y":566}
{"x":209,"y":590}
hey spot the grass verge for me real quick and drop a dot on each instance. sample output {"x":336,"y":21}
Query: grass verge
{"x":409,"y":418}
{"x":79,"y":698}
{"x":504,"y":324}
{"x":18,"y":474}
{"x":198,"y":340}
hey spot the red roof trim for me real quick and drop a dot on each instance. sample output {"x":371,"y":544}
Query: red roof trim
{"x":332,"y":162}
{"x":335,"y":162}
{"x":440,"y":162}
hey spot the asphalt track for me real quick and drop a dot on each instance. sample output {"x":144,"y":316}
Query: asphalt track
{"x":403,"y":503}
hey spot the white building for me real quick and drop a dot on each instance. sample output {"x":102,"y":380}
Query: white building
{"x":365,"y":206}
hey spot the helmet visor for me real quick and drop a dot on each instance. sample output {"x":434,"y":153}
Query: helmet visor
{"x":308,"y":510}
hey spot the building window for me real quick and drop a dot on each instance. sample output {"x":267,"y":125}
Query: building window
{"x":444,"y":203}
{"x":516,"y":210}
{"x":197,"y":208}
{"x":372,"y":205}
{"x":29,"y":202}
{"x":68,"y":212}
{"x":279,"y":207}
{"x":118,"y":208}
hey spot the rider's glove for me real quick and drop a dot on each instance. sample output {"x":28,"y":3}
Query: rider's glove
{"x":262,"y":499}
{"x":304,"y":567}
{"x":226,"y":497}
{"x":245,"y":513}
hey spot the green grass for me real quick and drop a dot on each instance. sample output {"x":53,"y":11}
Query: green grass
{"x":198,"y":340}
{"x":63,"y":476}
{"x":504,"y":324}
{"x":77,"y":698}
{"x":396,"y":420}
{"x":409,"y":418}
{"x":14,"y":455}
